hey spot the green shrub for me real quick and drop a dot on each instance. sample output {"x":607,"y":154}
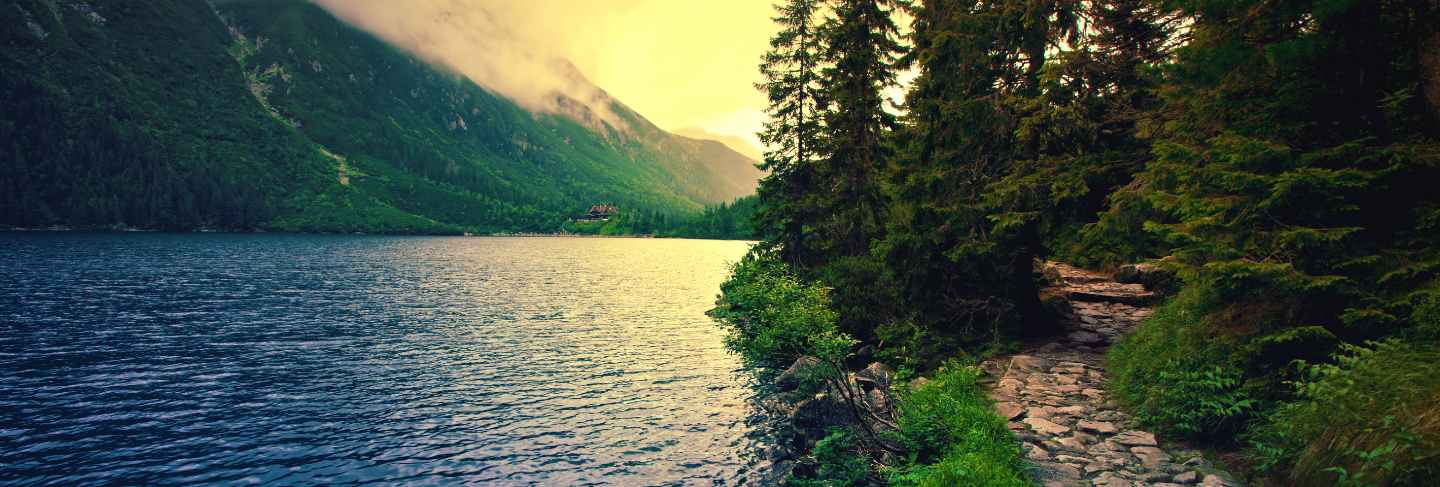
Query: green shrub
{"x":1370,"y":418}
{"x":774,"y":317}
{"x":953,"y":437}
{"x":1175,"y":376}
{"x":837,"y":461}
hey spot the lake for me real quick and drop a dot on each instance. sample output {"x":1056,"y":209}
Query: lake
{"x":143,"y":359}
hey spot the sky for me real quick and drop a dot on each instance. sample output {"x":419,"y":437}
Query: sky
{"x":681,"y":63}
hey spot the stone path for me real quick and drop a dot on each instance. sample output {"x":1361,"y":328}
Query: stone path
{"x":1053,"y":395}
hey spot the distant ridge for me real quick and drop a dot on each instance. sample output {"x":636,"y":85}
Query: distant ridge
{"x":273,"y":114}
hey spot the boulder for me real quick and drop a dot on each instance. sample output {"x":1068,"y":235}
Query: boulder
{"x":861,"y":356}
{"x":1153,"y":276}
{"x":795,"y":375}
{"x":1050,"y":274}
{"x":812,"y":417}
{"x":875,"y":376}
{"x":878,"y":401}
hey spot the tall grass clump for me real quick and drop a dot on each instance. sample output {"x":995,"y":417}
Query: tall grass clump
{"x":952,"y":436}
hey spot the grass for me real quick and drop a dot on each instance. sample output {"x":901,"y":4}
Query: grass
{"x":953,"y":437}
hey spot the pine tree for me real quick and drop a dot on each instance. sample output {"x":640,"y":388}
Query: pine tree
{"x":962,"y":262}
{"x":791,"y":69}
{"x":1083,"y":130}
{"x":1288,"y":179}
{"x":861,"y":50}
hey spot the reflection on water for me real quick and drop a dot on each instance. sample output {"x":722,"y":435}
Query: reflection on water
{"x":141,"y":359}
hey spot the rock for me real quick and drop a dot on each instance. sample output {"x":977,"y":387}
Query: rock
{"x":1151,"y":276}
{"x":1085,"y":337}
{"x":1186,"y":478}
{"x":813,"y":416}
{"x":1133,"y":298}
{"x":1029,"y":363}
{"x":878,"y":401}
{"x":1066,"y":389}
{"x":1038,"y":412}
{"x":875,"y":376}
{"x":860,"y":357}
{"x":1150,"y":456}
{"x":1100,"y":427}
{"x":1135,"y":438}
{"x":1009,"y":410}
{"x":1007,"y":385}
{"x":1052,"y":347}
{"x":1034,"y":452}
{"x":794,"y":375}
{"x":918,"y":383}
{"x":1046,"y":472}
{"x":1071,"y":444}
{"x":1213,"y":480}
{"x":1111,"y":479}
{"x":1050,"y":273}
{"x":1045,"y":426}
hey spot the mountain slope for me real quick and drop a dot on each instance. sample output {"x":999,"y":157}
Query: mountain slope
{"x":161,"y":114}
{"x":736,"y":144}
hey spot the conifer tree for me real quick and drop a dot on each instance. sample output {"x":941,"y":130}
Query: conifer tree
{"x":1083,"y":129}
{"x":961,"y":262}
{"x":791,"y":69}
{"x":861,"y":49}
{"x":1287,"y":181}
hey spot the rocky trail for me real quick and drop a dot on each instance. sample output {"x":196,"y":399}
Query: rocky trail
{"x":1054,"y":397}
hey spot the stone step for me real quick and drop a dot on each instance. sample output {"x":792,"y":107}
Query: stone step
{"x":1141,"y":298}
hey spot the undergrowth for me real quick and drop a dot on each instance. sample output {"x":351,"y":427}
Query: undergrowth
{"x":953,"y":437}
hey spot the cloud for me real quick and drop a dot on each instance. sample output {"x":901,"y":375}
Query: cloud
{"x":515,"y":49}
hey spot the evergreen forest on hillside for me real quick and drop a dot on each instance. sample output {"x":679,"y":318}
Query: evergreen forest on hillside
{"x":274,"y":115}
{"x":1277,"y":157}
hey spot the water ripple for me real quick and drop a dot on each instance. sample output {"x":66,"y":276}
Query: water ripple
{"x":306,"y":360}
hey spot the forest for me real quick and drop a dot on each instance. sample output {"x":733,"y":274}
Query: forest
{"x":725,"y":221}
{"x":274,"y":115}
{"x":1278,"y":157}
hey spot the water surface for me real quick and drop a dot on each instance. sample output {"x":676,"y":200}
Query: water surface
{"x":141,"y":359}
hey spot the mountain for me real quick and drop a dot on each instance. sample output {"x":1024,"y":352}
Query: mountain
{"x":273,"y":114}
{"x":737,"y":144}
